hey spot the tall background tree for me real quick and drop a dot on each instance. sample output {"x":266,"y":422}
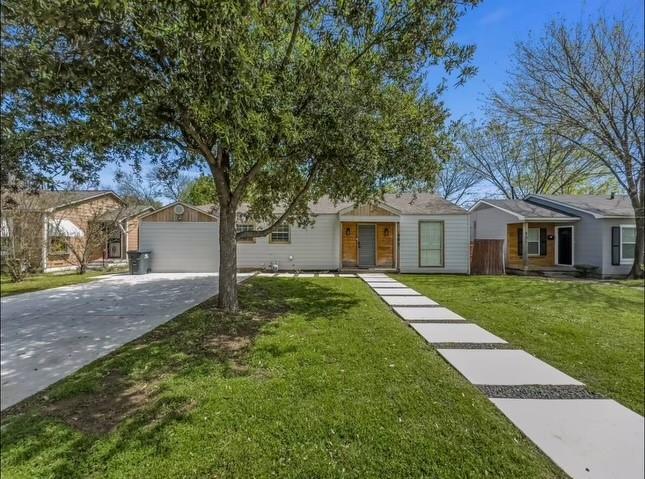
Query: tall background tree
{"x":585,"y":84}
{"x":281,"y":101}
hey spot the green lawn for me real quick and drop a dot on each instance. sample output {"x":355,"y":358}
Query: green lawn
{"x":316,"y":378}
{"x":593,"y":331}
{"x":39,"y":282}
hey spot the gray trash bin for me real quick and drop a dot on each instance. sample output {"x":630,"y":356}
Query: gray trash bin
{"x":139,"y":261}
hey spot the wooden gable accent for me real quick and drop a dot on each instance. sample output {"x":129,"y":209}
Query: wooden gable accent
{"x":513,"y":235}
{"x":349,"y":231}
{"x":385,"y":244}
{"x":369,"y":210}
{"x":167,"y":214}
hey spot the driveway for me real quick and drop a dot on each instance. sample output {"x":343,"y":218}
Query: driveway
{"x":47,"y":335}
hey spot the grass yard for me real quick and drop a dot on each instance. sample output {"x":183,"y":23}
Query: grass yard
{"x":316,"y":378}
{"x":38,"y":282}
{"x":593,"y":331}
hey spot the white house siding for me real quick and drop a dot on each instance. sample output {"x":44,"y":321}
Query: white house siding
{"x":487,"y":222}
{"x":456,"y":243}
{"x":313,"y":248}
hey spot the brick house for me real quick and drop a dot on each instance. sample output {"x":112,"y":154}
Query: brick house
{"x":63,"y":220}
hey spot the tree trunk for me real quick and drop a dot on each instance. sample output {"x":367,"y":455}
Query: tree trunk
{"x":227,"y":260}
{"x":639,"y":253}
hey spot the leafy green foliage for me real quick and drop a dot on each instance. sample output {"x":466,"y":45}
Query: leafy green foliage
{"x":261,"y":93}
{"x":200,"y":191}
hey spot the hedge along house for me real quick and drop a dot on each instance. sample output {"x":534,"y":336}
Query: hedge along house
{"x":555,"y":233}
{"x":408,"y":233}
{"x":58,"y":222}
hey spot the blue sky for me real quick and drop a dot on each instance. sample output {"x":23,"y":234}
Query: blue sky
{"x":494,"y":27}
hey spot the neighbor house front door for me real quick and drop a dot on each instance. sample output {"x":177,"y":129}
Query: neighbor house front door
{"x":565,"y":245}
{"x":366,"y":246}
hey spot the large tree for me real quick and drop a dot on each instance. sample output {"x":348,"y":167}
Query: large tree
{"x":585,"y":84}
{"x":282,"y":101}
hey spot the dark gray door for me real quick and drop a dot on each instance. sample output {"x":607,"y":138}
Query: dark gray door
{"x":565,"y":245}
{"x":366,"y":245}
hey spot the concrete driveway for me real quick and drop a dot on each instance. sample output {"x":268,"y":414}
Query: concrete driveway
{"x":47,"y":335}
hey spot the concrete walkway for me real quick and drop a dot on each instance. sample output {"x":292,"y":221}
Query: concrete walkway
{"x":587,"y":438}
{"x":47,"y":335}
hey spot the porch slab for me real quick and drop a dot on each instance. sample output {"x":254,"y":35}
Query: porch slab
{"x":455,"y":333}
{"x":381,"y":279}
{"x":378,"y":284}
{"x":587,"y":438}
{"x":396,"y":292}
{"x":372,"y":275}
{"x":416,"y":313}
{"x":408,"y":301}
{"x":504,"y":367}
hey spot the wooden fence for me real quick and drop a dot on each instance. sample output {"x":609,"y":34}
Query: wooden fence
{"x":487,"y":257}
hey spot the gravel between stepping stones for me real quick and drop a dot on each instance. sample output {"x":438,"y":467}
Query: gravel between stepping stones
{"x":538,"y":391}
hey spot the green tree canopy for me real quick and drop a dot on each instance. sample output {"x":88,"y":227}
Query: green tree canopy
{"x":200,"y":191}
{"x":292,"y":99}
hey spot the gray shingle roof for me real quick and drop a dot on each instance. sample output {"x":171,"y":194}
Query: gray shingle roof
{"x":527,"y":210}
{"x":122,"y":213}
{"x":45,"y":199}
{"x":595,"y":204}
{"x":406,"y":203}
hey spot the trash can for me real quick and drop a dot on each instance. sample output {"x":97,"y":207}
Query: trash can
{"x":139,"y":261}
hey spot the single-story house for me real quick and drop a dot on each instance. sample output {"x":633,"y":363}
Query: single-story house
{"x":557,"y":232}
{"x":52,"y":222}
{"x":410,"y":233}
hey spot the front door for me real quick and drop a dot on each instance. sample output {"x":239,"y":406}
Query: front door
{"x":565,"y":245}
{"x":366,"y":246}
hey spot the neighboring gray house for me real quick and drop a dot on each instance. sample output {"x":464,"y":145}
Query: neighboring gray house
{"x":557,"y":232}
{"x":420,"y":233}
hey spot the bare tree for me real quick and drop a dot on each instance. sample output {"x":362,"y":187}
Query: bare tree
{"x":81,"y":247}
{"x":135,"y":189}
{"x":456,"y":181}
{"x":585,"y":85}
{"x":21,"y":234}
{"x":518,"y":162}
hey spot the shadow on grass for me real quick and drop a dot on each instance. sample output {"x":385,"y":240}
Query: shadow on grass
{"x":129,"y":389}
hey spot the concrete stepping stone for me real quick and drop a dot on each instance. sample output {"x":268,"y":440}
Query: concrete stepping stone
{"x":285,"y":275}
{"x":455,"y":333}
{"x":587,"y":438}
{"x":504,"y":367}
{"x":381,"y":279}
{"x":326,"y":275}
{"x":416,"y":313}
{"x":305,"y":275}
{"x":346,"y":275}
{"x":408,"y":301}
{"x":375,"y":284}
{"x":396,"y":292}
{"x":372,"y":276}
{"x":266,"y":275}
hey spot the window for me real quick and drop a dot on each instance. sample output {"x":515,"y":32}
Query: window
{"x":280,"y":234}
{"x":58,"y":245}
{"x":534,"y":242}
{"x":627,"y":243}
{"x":245,"y":227}
{"x":430,"y":243}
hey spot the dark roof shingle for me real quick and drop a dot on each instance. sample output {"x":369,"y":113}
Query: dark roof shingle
{"x":597,"y":205}
{"x":526,"y":209}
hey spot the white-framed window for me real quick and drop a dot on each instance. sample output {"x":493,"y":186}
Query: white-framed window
{"x":627,"y":243}
{"x":534,"y":242}
{"x":245,"y":227}
{"x":430,"y":244}
{"x":280,"y":234}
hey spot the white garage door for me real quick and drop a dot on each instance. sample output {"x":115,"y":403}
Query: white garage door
{"x":181,"y":247}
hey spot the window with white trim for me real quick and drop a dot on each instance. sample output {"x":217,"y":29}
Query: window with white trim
{"x":627,"y":243}
{"x":430,"y":243}
{"x":245,"y":227}
{"x":534,"y":242}
{"x":280,"y":234}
